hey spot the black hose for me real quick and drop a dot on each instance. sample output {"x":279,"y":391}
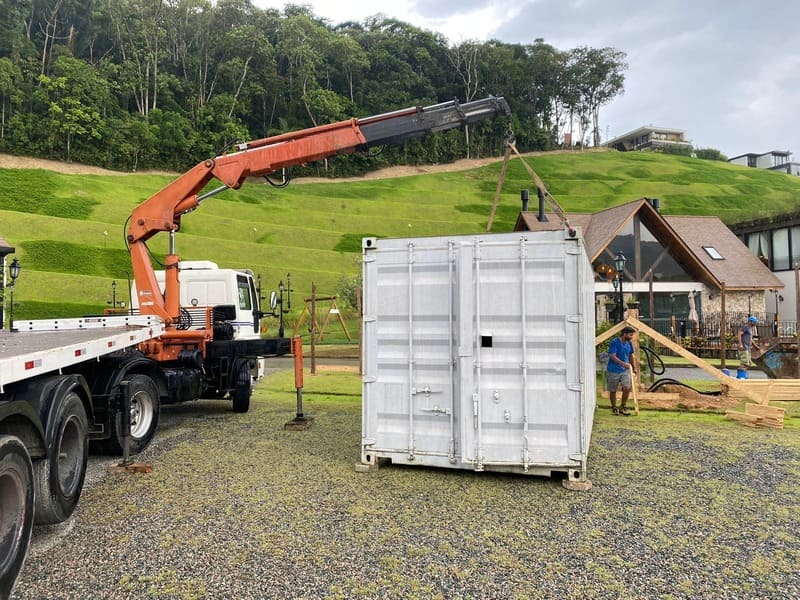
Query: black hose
{"x":669,"y":381}
{"x":651,"y":356}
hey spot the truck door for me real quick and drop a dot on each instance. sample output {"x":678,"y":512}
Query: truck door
{"x":246,"y":323}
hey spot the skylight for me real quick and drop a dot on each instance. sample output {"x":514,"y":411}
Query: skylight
{"x":712,"y":252}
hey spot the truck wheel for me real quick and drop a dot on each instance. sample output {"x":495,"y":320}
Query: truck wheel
{"x":244,"y":388}
{"x":145,"y":407}
{"x":16,"y":510}
{"x":59,"y":478}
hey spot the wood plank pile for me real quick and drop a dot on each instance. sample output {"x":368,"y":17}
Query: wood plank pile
{"x":764,"y":391}
{"x":758,"y":415}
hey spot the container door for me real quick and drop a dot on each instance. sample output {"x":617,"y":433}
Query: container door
{"x":521,"y":304}
{"x":408,"y":332}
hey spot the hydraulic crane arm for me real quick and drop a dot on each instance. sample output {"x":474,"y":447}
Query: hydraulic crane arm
{"x":163,"y":211}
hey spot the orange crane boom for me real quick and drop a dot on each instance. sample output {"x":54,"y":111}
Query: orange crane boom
{"x":162,"y":212}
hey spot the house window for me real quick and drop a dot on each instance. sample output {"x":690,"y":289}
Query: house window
{"x":759,"y":245}
{"x":780,"y":250}
{"x":644,"y":252}
{"x":795,"y":245}
{"x":713,"y":253}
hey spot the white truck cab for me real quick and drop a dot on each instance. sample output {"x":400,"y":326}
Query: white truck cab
{"x":204,"y":284}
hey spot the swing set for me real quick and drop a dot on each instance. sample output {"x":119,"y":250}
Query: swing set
{"x":312,"y":306}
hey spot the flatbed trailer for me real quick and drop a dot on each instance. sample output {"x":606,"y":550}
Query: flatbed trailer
{"x":60,"y":387}
{"x":67,"y":384}
{"x":39,"y":347}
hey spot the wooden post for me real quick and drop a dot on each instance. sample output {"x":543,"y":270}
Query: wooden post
{"x":313,"y":327}
{"x":723,"y":328}
{"x":652,"y":300}
{"x":797,"y":313}
{"x":634,"y":314}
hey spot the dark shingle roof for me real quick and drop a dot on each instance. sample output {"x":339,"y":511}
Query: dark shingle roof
{"x":739,"y":269}
{"x":4,"y":247}
{"x":685,"y":237}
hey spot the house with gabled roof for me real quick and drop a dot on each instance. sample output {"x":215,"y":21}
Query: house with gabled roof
{"x":685,"y":260}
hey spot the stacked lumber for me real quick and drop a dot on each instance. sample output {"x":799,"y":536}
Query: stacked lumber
{"x":758,"y":415}
{"x":764,"y":391}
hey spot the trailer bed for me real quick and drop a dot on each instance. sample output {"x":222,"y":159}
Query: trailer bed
{"x":39,"y":347}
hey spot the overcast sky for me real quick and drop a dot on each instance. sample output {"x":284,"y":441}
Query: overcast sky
{"x":727,"y":72}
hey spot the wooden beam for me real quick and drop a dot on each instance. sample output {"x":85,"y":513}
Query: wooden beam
{"x":695,"y":360}
{"x":610,"y":333}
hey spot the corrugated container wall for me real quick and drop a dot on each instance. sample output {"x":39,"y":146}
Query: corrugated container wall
{"x":479,"y":352}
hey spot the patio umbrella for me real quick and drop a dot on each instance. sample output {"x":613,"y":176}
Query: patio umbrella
{"x":692,"y":311}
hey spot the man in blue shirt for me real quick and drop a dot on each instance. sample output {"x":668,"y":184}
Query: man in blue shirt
{"x":619,"y":369}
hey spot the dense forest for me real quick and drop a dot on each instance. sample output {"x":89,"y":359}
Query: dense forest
{"x":130,"y":84}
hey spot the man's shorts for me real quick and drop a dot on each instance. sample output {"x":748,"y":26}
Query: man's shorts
{"x":745,"y":359}
{"x":614,"y":380}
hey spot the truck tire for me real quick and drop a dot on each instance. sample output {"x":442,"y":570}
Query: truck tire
{"x":16,"y":510}
{"x":240,"y":395}
{"x":145,"y":408}
{"x":59,"y":478}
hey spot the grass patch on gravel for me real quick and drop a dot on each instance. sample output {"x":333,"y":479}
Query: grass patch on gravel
{"x":683,"y":506}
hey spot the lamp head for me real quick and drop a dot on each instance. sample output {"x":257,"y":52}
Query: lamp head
{"x":619,"y":261}
{"x":14,"y":269}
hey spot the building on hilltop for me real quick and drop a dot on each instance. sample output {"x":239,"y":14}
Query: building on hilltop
{"x":649,"y":138}
{"x":775,"y":160}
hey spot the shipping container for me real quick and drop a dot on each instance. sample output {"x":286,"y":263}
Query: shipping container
{"x":478,"y":352}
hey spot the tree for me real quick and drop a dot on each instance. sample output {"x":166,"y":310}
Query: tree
{"x":599,"y":77}
{"x":74,"y":94}
{"x":10,"y":75}
{"x":464,"y":59}
{"x":140,"y":31}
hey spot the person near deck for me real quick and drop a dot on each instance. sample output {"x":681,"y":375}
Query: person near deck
{"x":746,"y":342}
{"x":619,"y":369}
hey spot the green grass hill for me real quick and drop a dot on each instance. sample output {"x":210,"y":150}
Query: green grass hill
{"x":68,"y":229}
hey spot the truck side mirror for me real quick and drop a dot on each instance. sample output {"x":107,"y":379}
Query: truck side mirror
{"x":273,"y":301}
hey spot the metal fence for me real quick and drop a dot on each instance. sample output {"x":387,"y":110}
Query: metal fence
{"x":703,"y":337}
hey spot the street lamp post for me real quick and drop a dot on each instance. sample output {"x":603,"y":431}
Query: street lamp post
{"x":619,"y":265}
{"x":672,"y":313}
{"x":775,"y":321}
{"x":13,"y":270}
{"x":615,"y":283}
{"x":280,"y":309}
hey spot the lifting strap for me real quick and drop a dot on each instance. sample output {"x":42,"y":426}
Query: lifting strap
{"x":542,"y":190}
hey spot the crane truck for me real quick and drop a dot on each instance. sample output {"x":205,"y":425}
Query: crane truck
{"x":64,"y":383}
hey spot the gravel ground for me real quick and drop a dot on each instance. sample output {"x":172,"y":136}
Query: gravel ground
{"x":682,"y":506}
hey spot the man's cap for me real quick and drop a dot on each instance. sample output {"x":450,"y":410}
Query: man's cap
{"x":753,"y":320}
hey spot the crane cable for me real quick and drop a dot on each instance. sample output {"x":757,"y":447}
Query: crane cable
{"x":540,"y":187}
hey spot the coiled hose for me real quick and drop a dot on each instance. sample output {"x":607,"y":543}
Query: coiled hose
{"x":654,"y":356}
{"x":669,"y":381}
